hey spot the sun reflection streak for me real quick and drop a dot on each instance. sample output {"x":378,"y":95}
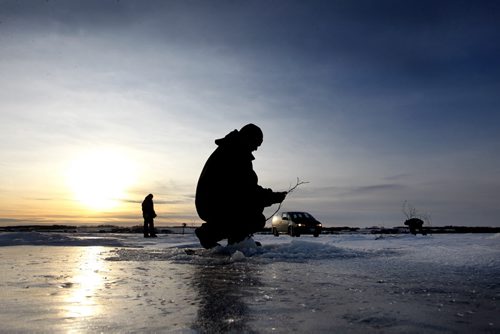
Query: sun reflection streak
{"x":88,"y":280}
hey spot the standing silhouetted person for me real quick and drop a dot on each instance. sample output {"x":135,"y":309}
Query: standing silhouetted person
{"x":149,"y":214}
{"x":228,"y":197}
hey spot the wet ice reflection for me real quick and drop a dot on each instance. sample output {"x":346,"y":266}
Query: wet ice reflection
{"x":87,"y":280}
{"x":222,"y":291}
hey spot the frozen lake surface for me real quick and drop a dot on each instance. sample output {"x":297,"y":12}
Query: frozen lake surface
{"x":123,"y":283}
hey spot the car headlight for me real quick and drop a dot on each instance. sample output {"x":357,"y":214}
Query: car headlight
{"x":300,"y":225}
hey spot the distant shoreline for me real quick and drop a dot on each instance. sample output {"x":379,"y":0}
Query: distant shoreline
{"x":179,"y":229}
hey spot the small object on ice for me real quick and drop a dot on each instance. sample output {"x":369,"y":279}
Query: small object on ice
{"x":415,"y":225}
{"x":66,"y":285}
{"x":189,"y":251}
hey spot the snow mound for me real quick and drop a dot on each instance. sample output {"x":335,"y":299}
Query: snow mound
{"x":294,"y":251}
{"x":301,"y":251}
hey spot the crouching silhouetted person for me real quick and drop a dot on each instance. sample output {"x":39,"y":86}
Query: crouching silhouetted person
{"x":228,"y":197}
{"x":149,"y":214}
{"x":415,"y":225}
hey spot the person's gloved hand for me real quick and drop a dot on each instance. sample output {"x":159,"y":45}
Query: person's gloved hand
{"x":279,"y":197}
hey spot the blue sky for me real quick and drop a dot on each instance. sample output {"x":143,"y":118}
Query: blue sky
{"x":372,"y":102}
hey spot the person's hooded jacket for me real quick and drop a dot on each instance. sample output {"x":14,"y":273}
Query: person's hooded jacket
{"x":148,"y":211}
{"x":228,"y":185}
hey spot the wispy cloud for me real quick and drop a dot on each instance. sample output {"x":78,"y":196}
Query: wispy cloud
{"x":377,"y":188}
{"x":173,"y":202}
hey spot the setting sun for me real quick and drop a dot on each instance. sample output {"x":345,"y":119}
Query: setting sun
{"x":99,"y":179}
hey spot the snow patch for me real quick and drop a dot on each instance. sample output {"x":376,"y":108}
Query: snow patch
{"x":56,"y":239}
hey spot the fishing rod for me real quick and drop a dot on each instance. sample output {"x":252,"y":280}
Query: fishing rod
{"x":290,"y":189}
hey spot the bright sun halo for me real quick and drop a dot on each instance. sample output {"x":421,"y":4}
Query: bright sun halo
{"x":99,"y":179}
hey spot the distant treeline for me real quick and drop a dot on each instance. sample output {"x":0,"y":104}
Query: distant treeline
{"x":90,"y":229}
{"x":190,"y":229}
{"x":405,"y":229}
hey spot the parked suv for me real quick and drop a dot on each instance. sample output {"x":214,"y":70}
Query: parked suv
{"x":295,"y":224}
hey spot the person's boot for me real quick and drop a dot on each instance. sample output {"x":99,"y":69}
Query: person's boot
{"x":235,"y":239}
{"x":205,"y":237}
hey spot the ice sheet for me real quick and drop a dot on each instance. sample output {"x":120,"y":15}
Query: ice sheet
{"x":62,"y":282}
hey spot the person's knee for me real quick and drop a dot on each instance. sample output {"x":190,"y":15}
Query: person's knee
{"x":255,"y":224}
{"x":258,"y":221}
{"x":215,"y":231}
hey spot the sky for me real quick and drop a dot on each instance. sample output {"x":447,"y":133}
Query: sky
{"x":373,"y":103}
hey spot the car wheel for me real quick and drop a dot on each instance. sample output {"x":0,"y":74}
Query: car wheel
{"x":275,"y":232}
{"x":316,"y":235}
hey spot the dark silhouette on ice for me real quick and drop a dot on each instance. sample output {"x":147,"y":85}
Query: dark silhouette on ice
{"x":149,"y":214}
{"x":222,"y":291}
{"x":228,"y":197}
{"x":415,"y":225}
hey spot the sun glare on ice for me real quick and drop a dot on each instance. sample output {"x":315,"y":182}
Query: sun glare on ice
{"x":81,"y":301}
{"x":99,"y":179}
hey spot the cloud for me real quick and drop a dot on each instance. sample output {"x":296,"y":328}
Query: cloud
{"x":397,"y":177}
{"x":173,"y":202}
{"x":377,"y":188}
{"x":18,"y":221}
{"x":352,"y":191}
